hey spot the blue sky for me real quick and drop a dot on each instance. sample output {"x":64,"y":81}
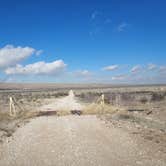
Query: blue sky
{"x":106,"y":41}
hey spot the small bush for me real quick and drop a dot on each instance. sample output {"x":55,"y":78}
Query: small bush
{"x":157,"y":97}
{"x":144,"y":100}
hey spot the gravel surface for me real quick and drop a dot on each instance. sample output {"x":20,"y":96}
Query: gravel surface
{"x":65,"y":103}
{"x":72,"y":141}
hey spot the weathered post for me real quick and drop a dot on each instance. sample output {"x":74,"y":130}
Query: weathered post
{"x":117,"y":100}
{"x":102,"y":102}
{"x":102,"y":99}
{"x":12,"y":107}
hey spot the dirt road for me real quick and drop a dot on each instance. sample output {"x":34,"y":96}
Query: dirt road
{"x":65,"y":103}
{"x":72,"y":141}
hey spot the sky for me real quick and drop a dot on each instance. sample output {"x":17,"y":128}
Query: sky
{"x":83,"y":41}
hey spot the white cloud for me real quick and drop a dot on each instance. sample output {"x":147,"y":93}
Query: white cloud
{"x":10,"y":55}
{"x":38,"y":68}
{"x":136,"y":69}
{"x":122,"y":27}
{"x":119,"y":77}
{"x":39,"y":52}
{"x":162,"y":69}
{"x":110,"y":68}
{"x":83,"y":73}
{"x":99,"y":22}
{"x":152,"y":66}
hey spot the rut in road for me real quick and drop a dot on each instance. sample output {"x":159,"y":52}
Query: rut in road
{"x":71,"y":141}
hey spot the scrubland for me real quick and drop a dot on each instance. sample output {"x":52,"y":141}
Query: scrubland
{"x":137,"y":109}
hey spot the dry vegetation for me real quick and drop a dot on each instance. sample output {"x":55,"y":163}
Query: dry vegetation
{"x":140,"y":105}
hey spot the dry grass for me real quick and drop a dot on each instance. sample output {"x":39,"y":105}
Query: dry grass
{"x":99,"y":109}
{"x":5,"y":117}
{"x":8,"y":124}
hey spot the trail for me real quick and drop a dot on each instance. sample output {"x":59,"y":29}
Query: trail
{"x":72,"y":141}
{"x":65,"y":103}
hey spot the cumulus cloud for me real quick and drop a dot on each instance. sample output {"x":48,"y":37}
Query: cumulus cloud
{"x":136,"y":69}
{"x":162,"y":69}
{"x":110,"y":68}
{"x":119,"y":77}
{"x":38,"y":68}
{"x":152,"y":66}
{"x":83,"y":73}
{"x":39,"y":52}
{"x":10,"y":55}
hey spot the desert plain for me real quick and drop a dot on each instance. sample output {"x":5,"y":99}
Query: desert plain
{"x":82,"y":124}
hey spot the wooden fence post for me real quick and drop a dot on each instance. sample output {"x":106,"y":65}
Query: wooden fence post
{"x":12,"y":107}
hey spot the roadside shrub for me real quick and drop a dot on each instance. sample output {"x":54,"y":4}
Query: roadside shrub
{"x":143,"y":100}
{"x":157,"y":97}
{"x":82,"y":95}
{"x":106,"y":100}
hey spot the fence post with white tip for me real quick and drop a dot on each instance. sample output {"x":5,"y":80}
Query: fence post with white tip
{"x":12,"y":107}
{"x":102,"y":99}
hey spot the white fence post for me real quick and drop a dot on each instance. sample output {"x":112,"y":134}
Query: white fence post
{"x":102,"y":99}
{"x":12,"y":107}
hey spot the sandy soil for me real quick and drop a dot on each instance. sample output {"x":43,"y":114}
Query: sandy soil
{"x":73,"y":140}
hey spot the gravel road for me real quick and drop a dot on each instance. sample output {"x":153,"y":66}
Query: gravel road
{"x":72,"y":141}
{"x":65,"y":103}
